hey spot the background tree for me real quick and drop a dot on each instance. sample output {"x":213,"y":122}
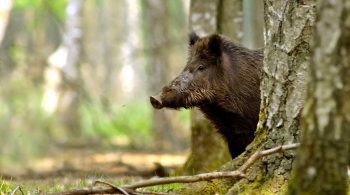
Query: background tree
{"x":208,"y":150}
{"x":253,"y":24}
{"x":69,"y":110}
{"x":31,"y":35}
{"x":321,"y":164}
{"x":63,"y":75}
{"x":5,"y":9}
{"x":158,"y":41}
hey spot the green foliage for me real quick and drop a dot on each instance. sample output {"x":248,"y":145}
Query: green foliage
{"x":24,"y":4}
{"x":56,"y":7}
{"x":58,"y":184}
{"x":6,"y":187}
{"x":185,"y":117}
{"x":132,"y":119}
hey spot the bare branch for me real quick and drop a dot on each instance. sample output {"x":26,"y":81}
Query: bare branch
{"x":185,"y":179}
{"x":258,"y":154}
{"x":112,"y":186}
{"x":131,"y":188}
{"x":87,"y":191}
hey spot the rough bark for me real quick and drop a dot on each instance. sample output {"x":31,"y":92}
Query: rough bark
{"x":321,"y":166}
{"x":288,"y":29}
{"x":208,"y":150}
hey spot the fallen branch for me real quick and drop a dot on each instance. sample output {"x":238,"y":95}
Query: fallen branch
{"x":131,"y":188}
{"x":90,"y":190}
{"x":185,"y":179}
{"x":259,"y":154}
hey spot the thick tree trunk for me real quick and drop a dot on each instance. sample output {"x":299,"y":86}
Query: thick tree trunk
{"x":208,"y":150}
{"x":321,"y":166}
{"x":288,"y":29}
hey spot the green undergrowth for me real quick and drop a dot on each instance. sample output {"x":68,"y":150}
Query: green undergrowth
{"x":65,"y":184}
{"x":163,"y":188}
{"x":6,"y":187}
{"x":131,"y":120}
{"x":53,"y":185}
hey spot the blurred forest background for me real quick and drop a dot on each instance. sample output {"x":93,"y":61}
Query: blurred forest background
{"x":78,"y":73}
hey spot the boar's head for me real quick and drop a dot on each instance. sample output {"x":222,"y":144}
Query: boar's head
{"x":201,"y":78}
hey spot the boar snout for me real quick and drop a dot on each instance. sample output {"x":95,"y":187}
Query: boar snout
{"x":156,"y":102}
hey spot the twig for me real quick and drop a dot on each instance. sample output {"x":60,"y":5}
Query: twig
{"x":112,"y":186}
{"x":15,"y":190}
{"x":239,"y":173}
{"x":184,"y":179}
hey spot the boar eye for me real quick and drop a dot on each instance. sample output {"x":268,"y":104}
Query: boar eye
{"x":201,"y":67}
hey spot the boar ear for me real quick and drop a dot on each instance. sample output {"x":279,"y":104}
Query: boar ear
{"x":214,"y":44}
{"x":193,"y":38}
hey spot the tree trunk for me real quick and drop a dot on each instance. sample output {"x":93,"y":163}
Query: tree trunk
{"x":208,"y":149}
{"x":253,"y":24}
{"x":321,"y":166}
{"x":288,"y":30}
{"x":106,"y":55}
{"x":5,"y":9}
{"x":157,"y":38}
{"x":63,"y":76}
{"x":70,"y":96}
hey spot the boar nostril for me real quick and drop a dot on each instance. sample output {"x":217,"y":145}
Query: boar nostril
{"x":156,"y":103}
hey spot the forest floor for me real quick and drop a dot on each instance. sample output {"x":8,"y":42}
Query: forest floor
{"x":72,"y":168}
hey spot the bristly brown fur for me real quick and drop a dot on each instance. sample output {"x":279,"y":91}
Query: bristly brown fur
{"x":223,"y":80}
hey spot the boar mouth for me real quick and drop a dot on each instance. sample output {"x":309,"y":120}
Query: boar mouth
{"x":156,"y":102}
{"x":186,"y":99}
